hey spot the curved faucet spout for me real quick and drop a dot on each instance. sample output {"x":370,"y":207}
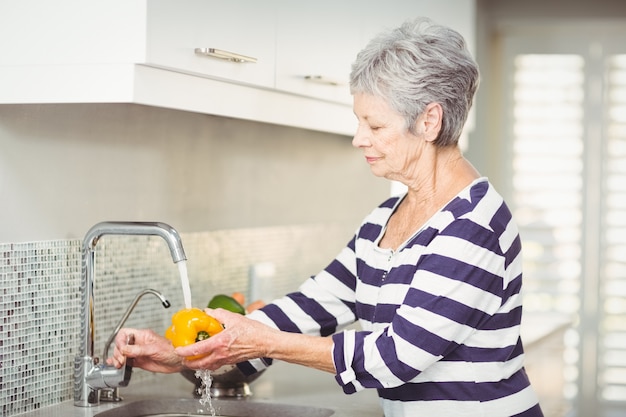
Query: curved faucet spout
{"x":84,"y":395}
{"x":167,"y":232}
{"x":113,"y":394}
{"x":129,"y":310}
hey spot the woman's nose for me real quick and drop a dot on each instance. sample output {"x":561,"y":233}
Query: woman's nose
{"x":360,"y":138}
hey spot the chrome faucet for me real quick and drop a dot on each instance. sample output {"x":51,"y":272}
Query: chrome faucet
{"x":90,"y":376}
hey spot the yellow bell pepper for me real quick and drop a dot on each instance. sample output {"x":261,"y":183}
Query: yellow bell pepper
{"x":191,"y":325}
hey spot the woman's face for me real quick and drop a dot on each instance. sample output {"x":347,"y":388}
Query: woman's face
{"x":389,"y":148}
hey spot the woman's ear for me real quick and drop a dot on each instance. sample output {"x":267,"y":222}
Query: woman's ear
{"x":430,"y":121}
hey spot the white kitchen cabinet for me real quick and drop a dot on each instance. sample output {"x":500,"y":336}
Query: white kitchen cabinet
{"x":71,"y":32}
{"x":57,"y":37}
{"x":316,"y":44}
{"x":160,"y":33}
{"x":69,"y":50}
{"x":185,"y":35}
{"x":144,"y":52}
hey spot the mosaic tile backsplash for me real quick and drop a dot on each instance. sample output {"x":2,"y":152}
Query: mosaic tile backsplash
{"x":40,"y":296}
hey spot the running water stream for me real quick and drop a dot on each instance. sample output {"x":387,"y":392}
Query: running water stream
{"x":204,"y":375}
{"x":205,"y":390}
{"x":184,"y":280}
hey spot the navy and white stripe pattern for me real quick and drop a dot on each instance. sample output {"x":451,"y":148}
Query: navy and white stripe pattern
{"x":439,"y":316}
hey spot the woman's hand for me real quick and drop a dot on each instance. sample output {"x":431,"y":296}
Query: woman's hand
{"x":242,"y":339}
{"x":151,"y":351}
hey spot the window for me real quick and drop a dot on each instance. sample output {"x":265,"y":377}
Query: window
{"x":565,"y":107}
{"x":612,"y":357}
{"x":547,"y":176}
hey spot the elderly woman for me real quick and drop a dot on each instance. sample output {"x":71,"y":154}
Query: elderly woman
{"x":433,"y":276}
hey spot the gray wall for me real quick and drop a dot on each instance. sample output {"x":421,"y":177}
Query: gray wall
{"x":64,"y":167}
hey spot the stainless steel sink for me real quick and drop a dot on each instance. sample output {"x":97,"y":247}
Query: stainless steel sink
{"x":223,"y":408}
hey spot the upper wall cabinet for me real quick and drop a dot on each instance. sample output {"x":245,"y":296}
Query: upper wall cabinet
{"x":277,"y":61}
{"x":316,"y":44}
{"x":69,"y":50}
{"x":230,"y":40}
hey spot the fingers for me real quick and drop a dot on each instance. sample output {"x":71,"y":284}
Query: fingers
{"x":215,"y":312}
{"x":223,"y":316}
{"x":133,"y":351}
{"x":123,"y":349}
{"x":201,"y":348}
{"x":118,"y":359}
{"x":200,"y":363}
{"x":120,"y":353}
{"x":206,"y":354}
{"x":238,"y":341}
{"x":151,"y":351}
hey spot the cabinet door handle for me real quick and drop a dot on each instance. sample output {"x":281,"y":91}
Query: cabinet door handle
{"x":225,"y":55}
{"x":320,"y":79}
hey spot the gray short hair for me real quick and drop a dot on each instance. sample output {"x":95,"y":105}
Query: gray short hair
{"x":416,"y":64}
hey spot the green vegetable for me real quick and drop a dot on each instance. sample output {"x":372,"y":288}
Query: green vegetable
{"x":227,"y":303}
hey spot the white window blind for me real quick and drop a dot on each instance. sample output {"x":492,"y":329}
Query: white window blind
{"x":565,"y":98}
{"x":612,"y":358}
{"x":547,"y":177}
{"x":547,"y":180}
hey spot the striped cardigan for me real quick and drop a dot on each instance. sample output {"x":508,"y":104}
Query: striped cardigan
{"x":439,"y":317}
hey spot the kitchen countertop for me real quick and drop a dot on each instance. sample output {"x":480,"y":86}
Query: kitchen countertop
{"x":281,"y":383}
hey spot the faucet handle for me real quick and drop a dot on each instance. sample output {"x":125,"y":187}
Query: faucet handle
{"x":128,"y":367}
{"x":107,"y":376}
{"x":104,"y":376}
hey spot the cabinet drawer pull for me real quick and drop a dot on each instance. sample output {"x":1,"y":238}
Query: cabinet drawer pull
{"x":225,"y":55}
{"x":320,"y":79}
